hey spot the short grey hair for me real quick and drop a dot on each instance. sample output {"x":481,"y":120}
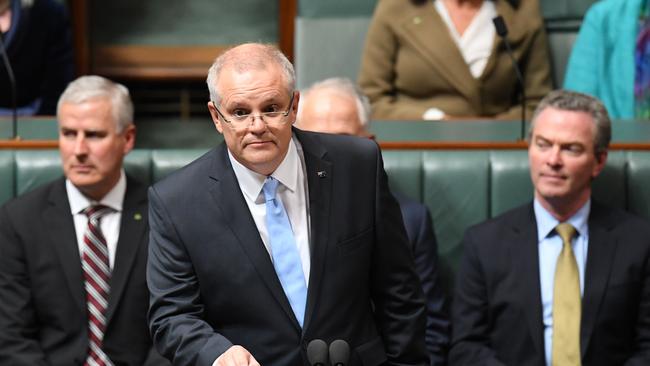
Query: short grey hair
{"x":250,"y":56}
{"x":566,"y":100}
{"x":345,"y":86}
{"x":90,"y":87}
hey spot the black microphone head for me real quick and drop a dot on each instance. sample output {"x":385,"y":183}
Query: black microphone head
{"x":317,"y":352}
{"x":339,"y":353}
{"x":500,"y":26}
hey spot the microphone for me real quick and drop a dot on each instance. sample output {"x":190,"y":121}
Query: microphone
{"x":502,"y":32}
{"x":12,"y":82}
{"x":339,"y":352}
{"x":317,"y":353}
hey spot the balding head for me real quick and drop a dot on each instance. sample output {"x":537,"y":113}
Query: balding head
{"x":334,"y":106}
{"x":250,"y":56}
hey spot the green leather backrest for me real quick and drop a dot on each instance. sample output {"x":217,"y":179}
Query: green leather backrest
{"x":405,"y":175}
{"x":461,"y":188}
{"x":637,"y":174}
{"x":7,"y":175}
{"x":166,"y":161}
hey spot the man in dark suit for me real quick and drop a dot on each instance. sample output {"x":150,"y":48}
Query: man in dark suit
{"x":237,"y":279}
{"x":73,"y":252}
{"x":337,"y":105}
{"x":562,"y":280}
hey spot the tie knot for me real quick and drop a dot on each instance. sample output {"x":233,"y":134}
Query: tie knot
{"x":95,"y":212}
{"x":269,"y":188}
{"x":566,"y":231}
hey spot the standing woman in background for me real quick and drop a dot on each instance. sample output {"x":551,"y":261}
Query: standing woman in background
{"x":442,"y":59}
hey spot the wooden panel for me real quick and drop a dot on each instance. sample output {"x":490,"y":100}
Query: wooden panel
{"x":286,"y":23}
{"x":155,"y":62}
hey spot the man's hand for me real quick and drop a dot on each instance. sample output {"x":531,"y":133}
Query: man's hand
{"x":236,"y":356}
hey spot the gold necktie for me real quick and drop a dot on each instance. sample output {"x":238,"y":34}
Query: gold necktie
{"x":567,"y":305}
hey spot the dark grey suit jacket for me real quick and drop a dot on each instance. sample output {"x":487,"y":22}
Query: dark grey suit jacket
{"x":43,"y":317}
{"x":497,"y":309}
{"x":419,"y":229}
{"x":213,"y":284}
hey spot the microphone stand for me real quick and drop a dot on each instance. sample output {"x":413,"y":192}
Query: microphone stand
{"x":502,"y":32}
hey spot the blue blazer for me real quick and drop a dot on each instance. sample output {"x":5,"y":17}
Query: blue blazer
{"x":602,"y":61}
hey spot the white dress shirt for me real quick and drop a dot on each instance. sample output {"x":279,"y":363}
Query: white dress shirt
{"x":550,"y":246}
{"x":109,"y":224}
{"x":293,"y":192}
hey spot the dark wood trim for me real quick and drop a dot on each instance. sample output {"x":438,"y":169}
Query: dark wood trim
{"x":29,"y":144}
{"x":80,"y":35}
{"x":469,"y":145}
{"x":144,"y":62}
{"x":288,"y":10}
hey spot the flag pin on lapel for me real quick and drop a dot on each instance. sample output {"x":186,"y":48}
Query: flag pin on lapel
{"x":137,"y":216}
{"x":321,"y":174}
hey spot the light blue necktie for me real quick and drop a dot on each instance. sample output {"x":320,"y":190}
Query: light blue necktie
{"x":284,"y":250}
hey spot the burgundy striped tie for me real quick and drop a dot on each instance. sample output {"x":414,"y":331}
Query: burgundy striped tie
{"x":96,"y":274}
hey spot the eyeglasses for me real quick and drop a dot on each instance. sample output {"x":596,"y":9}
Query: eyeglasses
{"x":240,"y":120}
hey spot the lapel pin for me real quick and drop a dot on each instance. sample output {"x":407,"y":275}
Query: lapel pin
{"x":321,"y":174}
{"x":137,"y":216}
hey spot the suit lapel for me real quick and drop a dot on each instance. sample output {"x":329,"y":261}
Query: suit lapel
{"x":525,"y":254}
{"x":58,"y":221}
{"x":227,"y":195}
{"x":133,"y":229}
{"x":319,"y":180}
{"x":600,"y":255}
{"x":429,"y":33}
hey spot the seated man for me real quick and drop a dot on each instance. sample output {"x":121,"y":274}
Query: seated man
{"x":73,"y":252}
{"x":337,"y":106}
{"x":562,"y":280}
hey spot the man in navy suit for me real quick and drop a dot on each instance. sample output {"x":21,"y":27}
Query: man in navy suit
{"x":338,"y":106}
{"x":562,"y":280}
{"x":220,"y":294}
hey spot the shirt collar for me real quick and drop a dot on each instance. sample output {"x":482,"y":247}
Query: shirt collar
{"x":286,"y":173}
{"x":546,"y":223}
{"x":113,"y":199}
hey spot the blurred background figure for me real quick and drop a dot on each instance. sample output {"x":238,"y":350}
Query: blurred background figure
{"x":610,"y":59}
{"x":36,"y":34}
{"x":442,"y":59}
{"x":337,"y":106}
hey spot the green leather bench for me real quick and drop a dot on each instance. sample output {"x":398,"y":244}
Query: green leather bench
{"x":461,"y":188}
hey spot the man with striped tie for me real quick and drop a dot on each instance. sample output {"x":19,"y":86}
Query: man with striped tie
{"x":73,"y":252}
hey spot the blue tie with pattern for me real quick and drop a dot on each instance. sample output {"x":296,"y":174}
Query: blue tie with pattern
{"x":284,"y":251}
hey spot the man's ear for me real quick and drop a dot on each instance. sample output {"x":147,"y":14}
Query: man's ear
{"x":293,"y":115}
{"x":129,"y":137}
{"x":601,"y":160}
{"x":215,"y":116}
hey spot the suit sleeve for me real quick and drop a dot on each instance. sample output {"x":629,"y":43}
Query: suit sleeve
{"x":425,"y":254}
{"x":395,"y":289}
{"x":176,"y":313}
{"x":18,"y":323}
{"x":470,"y":334}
